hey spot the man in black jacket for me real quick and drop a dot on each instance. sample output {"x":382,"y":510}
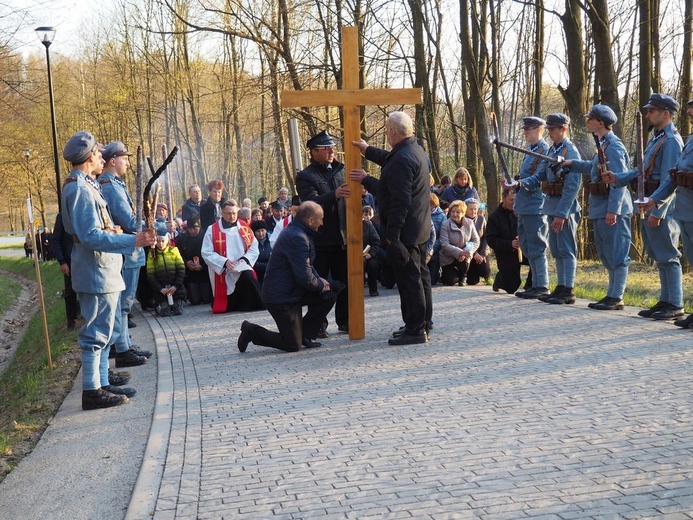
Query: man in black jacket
{"x":291,"y":282}
{"x":210,"y":210}
{"x":403,"y":196}
{"x":501,"y":235}
{"x":323,"y":181}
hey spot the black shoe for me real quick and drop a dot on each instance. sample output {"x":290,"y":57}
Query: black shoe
{"x":309,"y":343}
{"x":375,"y":293}
{"x":610,"y":304}
{"x":408,"y":339}
{"x":342,"y":328}
{"x":139,"y":352}
{"x":399,"y":332}
{"x":558,"y":290}
{"x":120,"y":390}
{"x":70,"y":324}
{"x":244,"y":336}
{"x":129,"y":359}
{"x":593,"y":305}
{"x":685,"y":323}
{"x":93,"y":399}
{"x":131,"y":324}
{"x":646,"y":313}
{"x":112,"y":352}
{"x":565,"y":297}
{"x":118,"y":378}
{"x":535,"y":293}
{"x":177,"y":308}
{"x":671,"y":312}
{"x":462,"y":281}
{"x":520,"y":294}
{"x":323,"y":334}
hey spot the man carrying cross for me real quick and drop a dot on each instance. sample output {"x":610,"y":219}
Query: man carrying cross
{"x":403,"y":196}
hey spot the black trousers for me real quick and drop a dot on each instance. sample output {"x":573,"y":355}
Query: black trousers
{"x":292,"y":326}
{"x":334,"y":263}
{"x":247,"y":295}
{"x":478,"y":271}
{"x":508,"y":277}
{"x":414,"y":286}
{"x":372,"y":268}
{"x":452,"y":273}
{"x":71,"y":305}
{"x":199,"y":292}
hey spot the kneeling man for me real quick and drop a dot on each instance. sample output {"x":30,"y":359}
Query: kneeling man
{"x":230,"y":250}
{"x":291,"y":282}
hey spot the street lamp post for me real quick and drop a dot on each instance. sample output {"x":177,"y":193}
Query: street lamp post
{"x":27,"y":153}
{"x":46,"y":35}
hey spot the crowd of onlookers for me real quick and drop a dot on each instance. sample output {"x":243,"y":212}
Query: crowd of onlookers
{"x":175,"y":272}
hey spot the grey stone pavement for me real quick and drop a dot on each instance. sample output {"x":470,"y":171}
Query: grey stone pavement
{"x":514,"y":409}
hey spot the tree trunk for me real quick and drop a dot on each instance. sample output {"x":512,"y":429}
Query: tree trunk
{"x":686,"y":59}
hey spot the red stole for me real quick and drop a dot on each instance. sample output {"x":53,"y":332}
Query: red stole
{"x":219,"y":244}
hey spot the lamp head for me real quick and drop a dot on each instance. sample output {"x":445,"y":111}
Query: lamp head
{"x":46,"y":35}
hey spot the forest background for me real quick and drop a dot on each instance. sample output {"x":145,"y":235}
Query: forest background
{"x":207,"y":75}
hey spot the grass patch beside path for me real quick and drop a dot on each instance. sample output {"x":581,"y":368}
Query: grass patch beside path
{"x":30,"y":393}
{"x":9,"y":293}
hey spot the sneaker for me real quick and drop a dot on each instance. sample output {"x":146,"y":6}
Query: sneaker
{"x":244,"y":337}
{"x":120,"y":390}
{"x":129,"y":359}
{"x":646,"y":313}
{"x":93,"y":399}
{"x":139,"y":352}
{"x":118,"y":378}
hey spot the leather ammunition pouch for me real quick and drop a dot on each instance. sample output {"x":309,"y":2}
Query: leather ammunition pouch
{"x":597,"y":188}
{"x":682,"y":178}
{"x":554,"y":189}
{"x":650,"y":186}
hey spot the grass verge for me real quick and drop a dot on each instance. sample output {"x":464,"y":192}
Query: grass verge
{"x":9,"y":294}
{"x":30,"y":393}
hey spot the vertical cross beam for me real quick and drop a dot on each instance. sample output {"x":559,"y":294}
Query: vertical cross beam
{"x":350,"y":98}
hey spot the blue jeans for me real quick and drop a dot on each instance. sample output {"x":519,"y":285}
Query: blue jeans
{"x":99,"y":312}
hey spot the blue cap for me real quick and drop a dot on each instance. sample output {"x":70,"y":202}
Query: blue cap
{"x":557,"y":121}
{"x":79,"y":147}
{"x":161,"y":231}
{"x":532,"y":122}
{"x":322,"y":139}
{"x":663,"y":102}
{"x":114,"y":149}
{"x":602,"y":113}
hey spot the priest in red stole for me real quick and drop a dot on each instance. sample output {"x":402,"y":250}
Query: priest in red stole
{"x":230,"y":249}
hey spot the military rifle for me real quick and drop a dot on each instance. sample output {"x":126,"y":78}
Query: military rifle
{"x":640,"y":191}
{"x":602,"y":163}
{"x":504,"y":167}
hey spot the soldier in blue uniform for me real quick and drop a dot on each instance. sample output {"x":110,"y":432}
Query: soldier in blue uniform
{"x":561,"y":188}
{"x":611,"y":208}
{"x":114,"y":190}
{"x":96,"y":264}
{"x":679,"y":184}
{"x":532,"y":226}
{"x":660,"y":231}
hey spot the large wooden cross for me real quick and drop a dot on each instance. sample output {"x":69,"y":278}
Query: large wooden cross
{"x":351,"y":98}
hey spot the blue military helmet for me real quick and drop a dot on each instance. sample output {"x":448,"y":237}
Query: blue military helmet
{"x":602,"y":113}
{"x":530,"y":122}
{"x":663,"y":102}
{"x":79,"y":147}
{"x":322,"y":139}
{"x":114,"y":149}
{"x":557,"y":121}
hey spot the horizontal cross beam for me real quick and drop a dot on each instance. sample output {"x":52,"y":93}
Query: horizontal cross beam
{"x":336,"y":98}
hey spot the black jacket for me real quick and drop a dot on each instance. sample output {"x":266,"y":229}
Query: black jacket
{"x":61,"y":242}
{"x":207,"y":217}
{"x":403,"y":192}
{"x":371,"y":238}
{"x":501,"y":230}
{"x":318,"y":183}
{"x":290,"y":272}
{"x":189,"y":248}
{"x":264,"y":256}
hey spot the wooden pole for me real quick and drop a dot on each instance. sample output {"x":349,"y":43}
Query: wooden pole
{"x":39,"y":284}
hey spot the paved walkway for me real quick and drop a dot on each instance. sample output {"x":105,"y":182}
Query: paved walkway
{"x":514,"y":409}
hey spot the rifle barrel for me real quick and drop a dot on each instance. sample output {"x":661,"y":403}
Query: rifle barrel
{"x":552,"y":160}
